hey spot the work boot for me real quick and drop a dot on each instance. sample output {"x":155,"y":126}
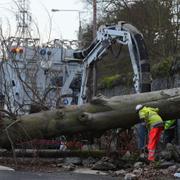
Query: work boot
{"x":152,"y":164}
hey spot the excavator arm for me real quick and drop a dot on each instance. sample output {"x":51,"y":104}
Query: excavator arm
{"x":124,"y":34}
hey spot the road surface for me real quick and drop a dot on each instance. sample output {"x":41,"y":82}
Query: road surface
{"x":18,"y":175}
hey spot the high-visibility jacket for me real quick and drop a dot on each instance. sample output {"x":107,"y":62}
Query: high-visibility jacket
{"x":151,"y":117}
{"x":169,"y":124}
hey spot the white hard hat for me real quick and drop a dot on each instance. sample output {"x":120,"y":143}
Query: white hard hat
{"x":138,"y":107}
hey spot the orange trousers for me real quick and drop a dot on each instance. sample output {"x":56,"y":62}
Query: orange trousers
{"x":153,"y":139}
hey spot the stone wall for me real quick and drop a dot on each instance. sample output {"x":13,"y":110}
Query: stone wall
{"x":157,"y":84}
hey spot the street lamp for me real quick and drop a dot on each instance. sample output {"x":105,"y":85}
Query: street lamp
{"x":72,"y":10}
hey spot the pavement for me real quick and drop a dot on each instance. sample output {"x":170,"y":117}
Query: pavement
{"x":19,"y":175}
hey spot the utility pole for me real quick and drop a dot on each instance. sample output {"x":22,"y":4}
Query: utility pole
{"x":23,"y":18}
{"x":94,"y":18}
{"x":80,"y":31}
{"x":94,"y":36}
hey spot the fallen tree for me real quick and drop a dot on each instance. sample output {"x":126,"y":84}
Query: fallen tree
{"x":53,"y":153}
{"x":99,"y":115}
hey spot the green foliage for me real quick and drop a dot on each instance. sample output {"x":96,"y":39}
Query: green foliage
{"x":110,"y":81}
{"x":158,"y":21}
{"x":87,"y":35}
{"x":162,"y":69}
{"x":132,"y":158}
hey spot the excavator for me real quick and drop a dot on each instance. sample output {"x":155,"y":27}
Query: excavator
{"x":74,"y":88}
{"x":124,"y":34}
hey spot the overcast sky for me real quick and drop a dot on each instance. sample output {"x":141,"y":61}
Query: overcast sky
{"x":64,"y":24}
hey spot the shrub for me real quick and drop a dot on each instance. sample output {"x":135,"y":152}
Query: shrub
{"x":162,"y":69}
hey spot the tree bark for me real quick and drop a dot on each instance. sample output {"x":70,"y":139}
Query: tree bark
{"x":53,"y":153}
{"x":99,"y":115}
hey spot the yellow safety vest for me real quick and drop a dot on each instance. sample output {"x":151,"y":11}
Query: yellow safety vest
{"x":151,"y":117}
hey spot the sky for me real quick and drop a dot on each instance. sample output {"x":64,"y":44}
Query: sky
{"x":64,"y":24}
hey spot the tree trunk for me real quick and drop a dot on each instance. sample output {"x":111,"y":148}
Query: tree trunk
{"x":99,"y":115}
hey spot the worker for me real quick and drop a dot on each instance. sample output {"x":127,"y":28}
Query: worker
{"x":155,"y":126}
{"x":169,"y":131}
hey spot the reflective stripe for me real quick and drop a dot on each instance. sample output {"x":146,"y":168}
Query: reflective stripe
{"x":151,"y":115}
{"x":157,"y":124}
{"x":151,"y":157}
{"x":151,"y":154}
{"x":151,"y":150}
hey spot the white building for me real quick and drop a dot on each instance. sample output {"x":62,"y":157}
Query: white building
{"x":47,"y":75}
